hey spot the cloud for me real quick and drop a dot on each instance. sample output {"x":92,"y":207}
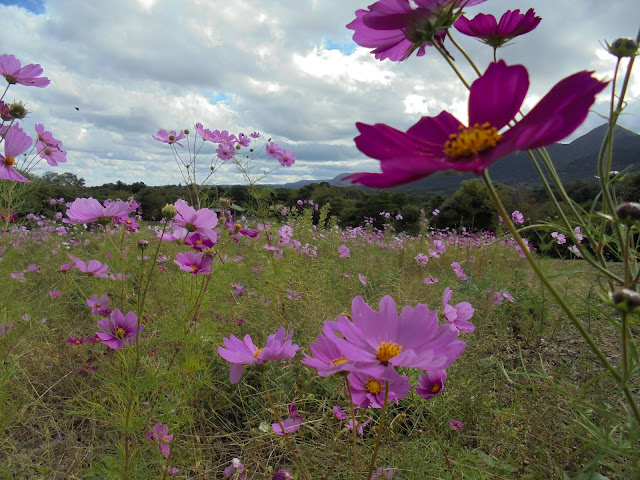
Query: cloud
{"x":288,"y":69}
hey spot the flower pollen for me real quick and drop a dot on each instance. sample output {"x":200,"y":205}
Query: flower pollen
{"x":255,"y":355}
{"x":120,"y":332}
{"x":373,"y":386}
{"x":194,"y":267}
{"x":339,"y":360}
{"x":471,"y":141}
{"x":9,"y":161}
{"x":386,"y":351}
{"x":435,"y":388}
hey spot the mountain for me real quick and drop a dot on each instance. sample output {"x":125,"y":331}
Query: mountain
{"x":574,"y":161}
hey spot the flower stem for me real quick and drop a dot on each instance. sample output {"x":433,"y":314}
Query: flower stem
{"x":284,"y":432}
{"x":464,"y":53}
{"x":380,"y":430}
{"x":354,"y":435}
{"x":455,"y":69}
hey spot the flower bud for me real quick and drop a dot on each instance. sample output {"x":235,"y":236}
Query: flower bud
{"x":186,"y":131}
{"x":282,"y":475}
{"x":613,"y":174}
{"x":623,"y":47}
{"x":629,"y":213}
{"x":626,"y":300}
{"x":169,"y":211}
{"x":142,"y":244}
{"x":17,"y":110}
{"x":238,"y":146}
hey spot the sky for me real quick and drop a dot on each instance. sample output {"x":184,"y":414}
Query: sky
{"x":288,"y":69}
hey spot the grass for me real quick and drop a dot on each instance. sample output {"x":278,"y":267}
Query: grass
{"x":534,"y":402}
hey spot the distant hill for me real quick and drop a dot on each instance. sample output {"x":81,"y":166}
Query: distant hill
{"x":574,"y":161}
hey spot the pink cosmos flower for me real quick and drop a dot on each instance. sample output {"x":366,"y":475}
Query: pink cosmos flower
{"x":457,"y":269}
{"x":431,"y":384}
{"x":343,"y":250}
{"x":349,"y":424}
{"x":286,"y":158}
{"x":327,"y":357}
{"x":444,"y":143}
{"x":99,"y":305}
{"x":395,"y":29}
{"x":238,"y":352}
{"x":486,"y":29}
{"x":367,"y":390}
{"x":517,"y":217}
{"x":243,"y":140}
{"x":380,"y":341}
{"x":456,"y":424}
{"x":19,"y":276}
{"x":273,"y":149}
{"x":55,"y":293}
{"x":254,"y":134}
{"x":194,"y":263}
{"x":235,"y":466}
{"x":169,"y":137}
{"x":29,"y":75}
{"x":578,"y":233}
{"x":93,"y":268}
{"x":48,"y":147}
{"x":362,"y":279}
{"x":560,"y":238}
{"x":422,"y":259}
{"x":238,"y":289}
{"x":119,"y":330}
{"x":225,"y":151}
{"x":430,"y":281}
{"x":160,"y":435}
{"x":224,"y":137}
{"x":291,"y":424}
{"x":88,"y":210}
{"x":459,"y":315}
{"x":202,"y":221}
{"x":339,"y":413}
{"x":205,"y":133}
{"x":16,"y":142}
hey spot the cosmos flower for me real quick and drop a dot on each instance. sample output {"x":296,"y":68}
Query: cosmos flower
{"x":327,"y":357}
{"x":169,"y":137}
{"x":239,"y":353}
{"x":88,"y":210}
{"x":368,"y":391}
{"x":201,"y":221}
{"x":378,"y":341}
{"x":444,"y":143}
{"x":395,"y":29}
{"x":119,"y":330}
{"x":194,"y":263}
{"x":431,"y":384}
{"x":16,"y":142}
{"x":286,"y":158}
{"x":486,"y":29}
{"x":29,"y":75}
{"x":343,"y":250}
{"x":456,"y":424}
{"x":291,"y":424}
{"x":459,"y":315}
{"x":160,"y":435}
{"x":93,"y":268}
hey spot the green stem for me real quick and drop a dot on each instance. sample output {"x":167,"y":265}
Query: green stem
{"x":354,"y":433}
{"x":464,"y":53}
{"x":455,"y":69}
{"x":563,"y":304}
{"x":380,"y":430}
{"x":284,"y":433}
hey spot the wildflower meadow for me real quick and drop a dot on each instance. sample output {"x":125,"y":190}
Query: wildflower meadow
{"x":269,"y":341}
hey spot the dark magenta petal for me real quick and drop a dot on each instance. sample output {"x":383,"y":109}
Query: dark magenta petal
{"x":497,"y":96}
{"x":435,"y":130}
{"x":524,"y":24}
{"x":559,"y":113}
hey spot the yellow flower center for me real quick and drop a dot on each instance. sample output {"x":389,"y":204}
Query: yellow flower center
{"x":435,"y":388}
{"x":194,"y":268}
{"x":373,"y":386}
{"x":8,"y":161}
{"x":471,"y":141}
{"x":255,"y":355}
{"x":386,"y":351}
{"x":339,"y":360}
{"x":120,"y":332}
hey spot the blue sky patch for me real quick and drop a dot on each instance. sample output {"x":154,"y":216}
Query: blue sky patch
{"x":345,"y":47}
{"x":217,"y":97}
{"x":34,"y":6}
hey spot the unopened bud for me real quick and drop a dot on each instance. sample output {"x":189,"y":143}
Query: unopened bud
{"x":282,"y":475}
{"x":142,"y":244}
{"x":629,"y":213}
{"x":169,"y":211}
{"x":613,"y":174}
{"x":17,"y":110}
{"x":186,"y":131}
{"x":623,"y":47}
{"x":238,"y":146}
{"x":626,"y":300}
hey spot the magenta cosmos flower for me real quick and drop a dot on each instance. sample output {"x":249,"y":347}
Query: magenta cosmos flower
{"x":169,"y":137}
{"x":88,"y":210}
{"x":202,"y":221}
{"x":444,"y":143}
{"x":486,"y":29}
{"x":194,"y":263}
{"x":14,"y":72}
{"x":395,"y":29}
{"x":48,"y":147}
{"x":431,"y":384}
{"x":370,"y":391}
{"x":93,"y":268}
{"x":119,"y":330}
{"x":16,"y":142}
{"x":458,"y":315}
{"x":327,"y":357}
{"x":291,"y":424}
{"x":379,"y":341}
{"x":238,"y":352}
